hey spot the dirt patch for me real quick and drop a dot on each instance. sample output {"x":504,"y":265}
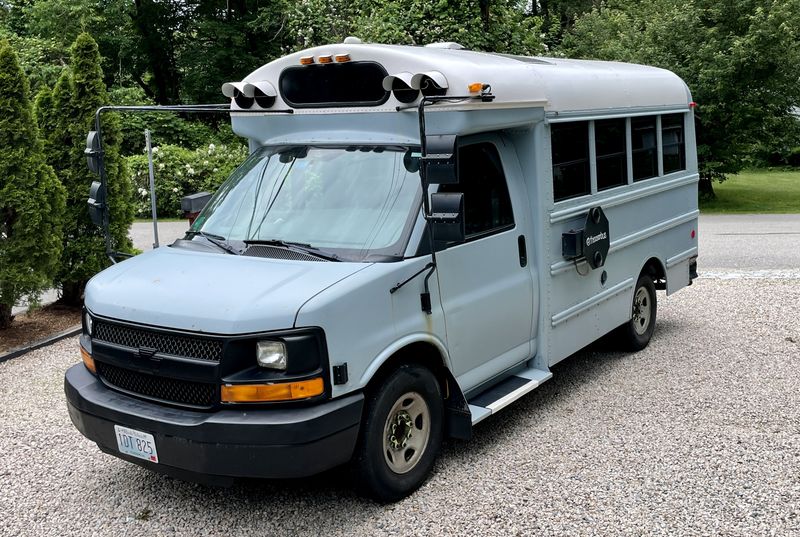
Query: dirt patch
{"x":39,"y":324}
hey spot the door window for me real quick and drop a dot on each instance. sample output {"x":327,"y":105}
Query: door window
{"x":487,"y":205}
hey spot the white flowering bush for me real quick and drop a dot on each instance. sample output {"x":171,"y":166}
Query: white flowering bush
{"x":179,"y":172}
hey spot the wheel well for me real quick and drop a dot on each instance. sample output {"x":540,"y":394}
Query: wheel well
{"x":419,"y":352}
{"x":655,"y":269}
{"x":458,"y":421}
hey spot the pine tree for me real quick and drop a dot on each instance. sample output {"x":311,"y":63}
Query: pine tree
{"x":78,"y":94}
{"x":31,"y":197}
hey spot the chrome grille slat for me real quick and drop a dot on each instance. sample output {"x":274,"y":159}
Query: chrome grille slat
{"x":197,"y":394}
{"x":176,"y":345}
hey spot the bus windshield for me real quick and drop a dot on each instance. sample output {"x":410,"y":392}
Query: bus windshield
{"x":354,"y":202}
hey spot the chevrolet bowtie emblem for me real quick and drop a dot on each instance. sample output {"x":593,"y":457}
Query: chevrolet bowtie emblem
{"x":148,"y":352}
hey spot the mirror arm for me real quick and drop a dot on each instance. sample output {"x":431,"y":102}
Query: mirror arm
{"x":425,"y":297}
{"x":104,"y":184}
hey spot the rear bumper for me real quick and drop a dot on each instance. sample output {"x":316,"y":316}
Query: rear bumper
{"x":216,"y":447}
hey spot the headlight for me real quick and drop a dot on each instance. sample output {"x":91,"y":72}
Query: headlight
{"x":271,"y":354}
{"x":87,"y":319}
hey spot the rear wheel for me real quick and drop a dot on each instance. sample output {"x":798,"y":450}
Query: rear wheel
{"x":401,"y":434}
{"x":636,"y":333}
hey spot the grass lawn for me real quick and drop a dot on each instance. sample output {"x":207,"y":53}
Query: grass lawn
{"x":757,"y":191}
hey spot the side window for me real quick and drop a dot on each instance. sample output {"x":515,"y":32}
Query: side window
{"x":610,"y":148}
{"x":570,"y":149}
{"x":487,"y":205}
{"x":672,"y":143}
{"x":645,"y":152}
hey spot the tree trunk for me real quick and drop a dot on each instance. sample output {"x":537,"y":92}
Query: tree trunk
{"x":706,"y":189}
{"x":5,"y":316}
{"x":72,"y":293}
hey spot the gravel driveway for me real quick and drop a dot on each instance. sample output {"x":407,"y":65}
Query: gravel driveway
{"x":698,"y":434}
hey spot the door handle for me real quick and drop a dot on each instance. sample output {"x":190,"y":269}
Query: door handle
{"x":523,"y":251}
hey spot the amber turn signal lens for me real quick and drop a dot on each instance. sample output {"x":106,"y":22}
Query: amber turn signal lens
{"x":306,"y":60}
{"x":475,"y":87}
{"x":88,"y":361}
{"x":282,"y":391}
{"x":325,"y":59}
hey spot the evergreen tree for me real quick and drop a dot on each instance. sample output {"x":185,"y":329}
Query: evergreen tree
{"x":79,"y":92}
{"x":31,"y":198}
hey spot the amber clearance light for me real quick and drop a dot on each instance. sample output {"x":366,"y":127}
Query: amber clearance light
{"x":88,"y":361}
{"x":282,"y":391}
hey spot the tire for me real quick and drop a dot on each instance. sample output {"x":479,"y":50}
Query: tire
{"x":401,"y":434}
{"x":636,"y":333}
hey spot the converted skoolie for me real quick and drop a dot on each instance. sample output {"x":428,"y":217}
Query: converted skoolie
{"x":418,"y":234}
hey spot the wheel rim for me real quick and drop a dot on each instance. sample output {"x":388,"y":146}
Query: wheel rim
{"x":406,"y":433}
{"x":642,"y":311}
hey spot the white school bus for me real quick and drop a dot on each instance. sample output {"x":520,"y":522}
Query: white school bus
{"x":417,"y":236}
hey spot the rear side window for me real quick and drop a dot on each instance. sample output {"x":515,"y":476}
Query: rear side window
{"x":487,"y":205}
{"x":570,"y":147}
{"x":610,"y":148}
{"x":672,"y":143}
{"x":645,"y":151}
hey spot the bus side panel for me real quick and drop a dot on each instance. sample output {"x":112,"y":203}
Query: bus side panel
{"x":650,"y":219}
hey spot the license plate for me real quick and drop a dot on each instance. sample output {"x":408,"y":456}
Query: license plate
{"x":136,"y":443}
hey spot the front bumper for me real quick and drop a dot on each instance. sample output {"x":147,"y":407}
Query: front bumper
{"x":216,"y":447}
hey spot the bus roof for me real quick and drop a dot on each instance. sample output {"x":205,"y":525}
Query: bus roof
{"x":558,"y":85}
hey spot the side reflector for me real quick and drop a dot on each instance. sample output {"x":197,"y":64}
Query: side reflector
{"x":306,"y":60}
{"x":325,"y":59}
{"x":259,"y":393}
{"x":341,"y":58}
{"x":475,"y":87}
{"x":88,"y":361}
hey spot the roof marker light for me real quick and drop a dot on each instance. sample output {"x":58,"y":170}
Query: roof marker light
{"x":306,"y":60}
{"x":692,"y":104}
{"x":341,"y":58}
{"x":325,"y":59}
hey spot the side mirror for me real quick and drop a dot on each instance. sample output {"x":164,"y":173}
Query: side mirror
{"x":447,"y":217}
{"x":97,"y":203}
{"x":93,"y":151}
{"x":441,"y":159}
{"x":194,"y":203}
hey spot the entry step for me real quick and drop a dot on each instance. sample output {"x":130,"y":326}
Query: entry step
{"x":501,"y":395}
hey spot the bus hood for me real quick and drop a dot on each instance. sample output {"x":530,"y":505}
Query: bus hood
{"x":210,"y":292}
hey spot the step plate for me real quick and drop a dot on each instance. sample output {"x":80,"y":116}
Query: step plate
{"x":501,"y":395}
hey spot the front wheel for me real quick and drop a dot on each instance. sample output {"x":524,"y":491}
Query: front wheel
{"x":636,"y":333}
{"x":401,"y":435}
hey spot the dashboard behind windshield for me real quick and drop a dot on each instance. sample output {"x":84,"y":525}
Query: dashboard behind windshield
{"x":354,"y":202}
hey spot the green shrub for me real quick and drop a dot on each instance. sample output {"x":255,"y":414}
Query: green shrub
{"x":179,"y":172}
{"x":31,"y":198}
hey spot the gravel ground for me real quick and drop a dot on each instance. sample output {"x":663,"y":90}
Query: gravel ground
{"x":699,"y":434}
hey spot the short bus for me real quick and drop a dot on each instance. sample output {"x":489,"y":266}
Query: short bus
{"x":417,"y":236}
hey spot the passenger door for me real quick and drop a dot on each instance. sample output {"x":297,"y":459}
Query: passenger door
{"x":486,"y":291}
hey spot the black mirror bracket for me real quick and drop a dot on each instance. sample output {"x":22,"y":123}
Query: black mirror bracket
{"x":439,"y":165}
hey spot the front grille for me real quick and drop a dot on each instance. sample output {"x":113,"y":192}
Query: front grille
{"x":175,"y":345}
{"x":183,"y":392}
{"x":272,"y":252}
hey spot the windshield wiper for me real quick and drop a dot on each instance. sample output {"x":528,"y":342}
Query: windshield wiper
{"x":216,"y":240}
{"x":290,"y":245}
